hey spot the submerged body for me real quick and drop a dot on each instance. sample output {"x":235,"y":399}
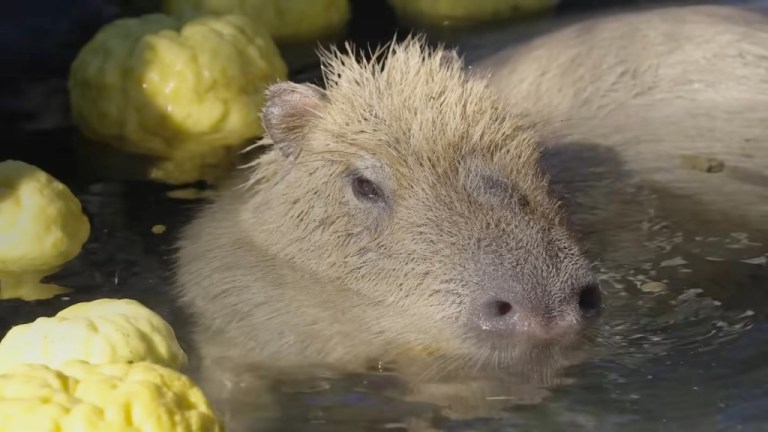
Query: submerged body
{"x":653,"y":87}
{"x":378,"y":226}
{"x":400,"y":216}
{"x":407,"y":211}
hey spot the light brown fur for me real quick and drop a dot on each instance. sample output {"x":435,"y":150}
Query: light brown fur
{"x":651,"y":86}
{"x":289,"y":268}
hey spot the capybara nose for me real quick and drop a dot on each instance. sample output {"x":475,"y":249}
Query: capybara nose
{"x":541,"y":318}
{"x":498,"y":315}
{"x":590,"y":302}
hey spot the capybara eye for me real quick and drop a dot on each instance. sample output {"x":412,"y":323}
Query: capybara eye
{"x":365,"y":189}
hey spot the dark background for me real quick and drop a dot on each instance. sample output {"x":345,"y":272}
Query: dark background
{"x":40,"y":38}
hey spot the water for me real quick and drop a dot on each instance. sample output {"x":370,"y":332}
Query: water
{"x":683,"y":344}
{"x":691,"y":355}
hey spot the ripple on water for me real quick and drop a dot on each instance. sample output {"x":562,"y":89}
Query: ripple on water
{"x":688,"y":351}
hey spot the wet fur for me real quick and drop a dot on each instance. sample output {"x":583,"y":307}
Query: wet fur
{"x":285,"y":269}
{"x":305,"y":273}
{"x":652,"y":86}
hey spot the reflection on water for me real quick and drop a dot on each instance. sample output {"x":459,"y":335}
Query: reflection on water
{"x":683,"y":341}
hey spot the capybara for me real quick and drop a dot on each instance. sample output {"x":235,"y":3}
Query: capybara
{"x":656,"y":86}
{"x":400,"y":209}
{"x":400,"y":213}
{"x":406,"y":208}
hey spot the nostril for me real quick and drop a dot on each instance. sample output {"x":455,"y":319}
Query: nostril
{"x":500,"y":308}
{"x":589,"y":300}
{"x":494,"y":314}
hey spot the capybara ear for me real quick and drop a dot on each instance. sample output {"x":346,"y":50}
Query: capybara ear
{"x":288,"y":108}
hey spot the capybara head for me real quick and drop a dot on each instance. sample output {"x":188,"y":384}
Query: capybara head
{"x":406,"y":184}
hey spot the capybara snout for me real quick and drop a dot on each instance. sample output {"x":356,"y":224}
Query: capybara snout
{"x":531,"y":284}
{"x":400,"y":208}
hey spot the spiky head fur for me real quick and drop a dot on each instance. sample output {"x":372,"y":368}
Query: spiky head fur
{"x":294,"y":267}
